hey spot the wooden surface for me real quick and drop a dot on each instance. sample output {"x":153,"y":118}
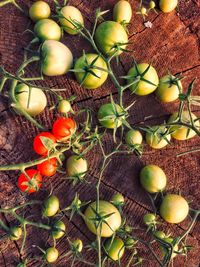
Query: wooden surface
{"x":171,"y":44}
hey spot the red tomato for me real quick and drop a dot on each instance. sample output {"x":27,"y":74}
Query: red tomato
{"x":38,"y":146}
{"x":30,"y":185}
{"x":63,"y":128}
{"x":48,"y":167}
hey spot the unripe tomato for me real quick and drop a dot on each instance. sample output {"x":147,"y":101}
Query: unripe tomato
{"x":108,"y":110}
{"x":159,"y":234}
{"x":31,"y":184}
{"x":114,"y":248}
{"x":59,"y":229}
{"x":64,"y":106}
{"x":143,"y":87}
{"x":47,"y":29}
{"x":76,"y":166}
{"x":39,"y":10}
{"x":32,"y":100}
{"x":85,"y":63}
{"x":15,"y":233}
{"x":57,"y":59}
{"x":39,"y":146}
{"x":153,"y":179}
{"x":122,"y":12}
{"x":130,"y":242}
{"x":51,"y":206}
{"x":149,"y":218}
{"x":108,"y":35}
{"x":168,"y":5}
{"x":174,"y":208}
{"x":143,"y":11}
{"x":133,"y":137}
{"x":167,"y":91}
{"x":152,"y":4}
{"x":78,"y":244}
{"x":157,"y":141}
{"x":70,"y":13}
{"x":51,"y":255}
{"x":48,"y":168}
{"x":63,"y":128}
{"x":117,"y":199}
{"x":165,"y":251}
{"x":105,"y":208}
{"x":182,"y":132}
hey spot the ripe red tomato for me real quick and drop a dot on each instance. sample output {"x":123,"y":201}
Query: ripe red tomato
{"x":38,"y":146}
{"x":48,"y":167}
{"x":30,"y":185}
{"x":63,"y":128}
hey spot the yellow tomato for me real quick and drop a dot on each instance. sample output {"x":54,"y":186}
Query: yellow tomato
{"x":114,"y":248}
{"x":122,"y":12}
{"x":133,"y":137}
{"x":39,"y":10}
{"x":168,"y":5}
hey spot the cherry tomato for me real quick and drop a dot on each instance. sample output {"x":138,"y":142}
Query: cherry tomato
{"x":117,"y":199}
{"x":30,"y":185}
{"x":63,"y":128}
{"x":39,"y":10}
{"x":182,"y":132}
{"x":51,"y":206}
{"x":51,"y":255}
{"x":48,"y":167}
{"x":133,"y":137}
{"x":167,"y":6}
{"x":122,"y":12}
{"x":15,"y":233}
{"x":105,"y":208}
{"x":64,"y":106}
{"x":174,"y":208}
{"x":130,"y":242}
{"x":38,"y":145}
{"x":76,"y":166}
{"x":47,"y":29}
{"x":149,"y":218}
{"x":159,"y":234}
{"x":114,"y":248}
{"x":153,"y":179}
{"x":78,"y":244}
{"x":156,"y":140}
{"x":59,"y":229}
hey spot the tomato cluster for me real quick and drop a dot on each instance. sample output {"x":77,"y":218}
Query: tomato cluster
{"x":44,"y":144}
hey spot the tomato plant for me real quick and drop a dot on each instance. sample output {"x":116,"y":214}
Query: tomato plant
{"x":113,"y":222}
{"x":39,"y":10}
{"x":122,"y":12}
{"x":56,"y":58}
{"x":51,"y":206}
{"x":153,"y":179}
{"x":87,"y":72}
{"x":32,"y":100}
{"x":47,"y":29}
{"x":114,"y":248}
{"x":63,"y":128}
{"x":48,"y":167}
{"x":111,"y":38}
{"x":30,"y":181}
{"x":43,"y":143}
{"x":174,"y":208}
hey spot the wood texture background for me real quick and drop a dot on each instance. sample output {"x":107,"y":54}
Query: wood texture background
{"x":172,"y":44}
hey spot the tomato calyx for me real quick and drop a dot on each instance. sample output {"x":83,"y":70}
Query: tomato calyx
{"x":118,"y":47}
{"x":76,"y":246}
{"x":160,"y":132}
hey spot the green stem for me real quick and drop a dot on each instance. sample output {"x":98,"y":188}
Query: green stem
{"x":188,"y":152}
{"x":3,"y":226}
{"x":3,"y":81}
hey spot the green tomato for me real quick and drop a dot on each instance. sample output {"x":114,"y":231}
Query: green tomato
{"x":51,"y":255}
{"x":47,"y":29}
{"x":32,"y":100}
{"x":105,"y":208}
{"x":122,"y":12}
{"x":109,"y":35}
{"x":142,"y":88}
{"x":59,"y":229}
{"x":149,"y":218}
{"x":167,"y":91}
{"x":39,"y":10}
{"x":78,"y":244}
{"x":159,"y":234}
{"x":76,"y":166}
{"x":114,"y":248}
{"x":182,"y":132}
{"x":51,"y":206}
{"x":152,"y":4}
{"x":91,"y":81}
{"x":153,"y":179}
{"x":164,"y":250}
{"x":57,"y":59}
{"x":15,"y":233}
{"x":70,"y":13}
{"x":107,"y":110}
{"x":174,"y":208}
{"x":64,"y":106}
{"x":133,"y":137}
{"x":168,"y":5}
{"x":130,"y":242}
{"x":117,"y":199}
{"x":157,"y":141}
